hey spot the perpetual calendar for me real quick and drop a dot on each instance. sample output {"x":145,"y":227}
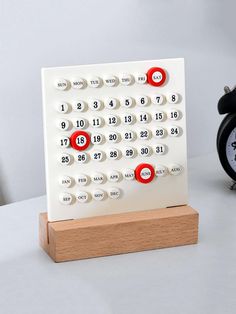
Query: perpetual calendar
{"x":115,"y":138}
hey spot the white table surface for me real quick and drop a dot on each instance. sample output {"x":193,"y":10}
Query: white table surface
{"x":184,"y":280}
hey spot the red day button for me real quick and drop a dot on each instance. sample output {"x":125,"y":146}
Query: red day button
{"x":80,"y":140}
{"x":144,"y":173}
{"x":156,"y":76}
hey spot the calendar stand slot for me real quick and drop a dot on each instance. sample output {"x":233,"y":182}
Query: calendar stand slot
{"x":119,"y":233}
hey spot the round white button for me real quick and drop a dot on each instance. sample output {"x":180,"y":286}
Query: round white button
{"x":159,"y":149}
{"x":95,"y":104}
{"x":127,"y":102}
{"x":81,"y":140}
{"x":82,"y":196}
{"x":65,"y":198}
{"x":144,"y":134}
{"x":97,"y":155}
{"x":159,"y":132}
{"x":62,"y":107}
{"x":173,"y":98}
{"x":64,"y":141}
{"x":113,"y":176}
{"x":63,"y":124}
{"x":81,"y":158}
{"x":141,"y":78}
{"x":65,"y":159}
{"x":128,"y":118}
{"x":80,"y":123}
{"x":96,"y":122}
{"x":98,"y":195}
{"x":143,"y":117}
{"x":110,"y":80}
{"x":79,"y":106}
{"x":111,"y":103}
{"x":158,"y":116}
{"x":175,"y":169}
{"x":144,"y":151}
{"x":128,"y":174}
{"x":142,"y":100}
{"x":78,"y":83}
{"x":113,"y":153}
{"x":157,"y":77}
{"x":173,"y":114}
{"x":129,"y":152}
{"x":126,"y":79}
{"x":145,"y":173}
{"x":128,"y":135}
{"x":113,"y":137}
{"x":161,"y":171}
{"x":61,"y":84}
{"x":114,"y":193}
{"x":157,"y":99}
{"x":97,"y":138}
{"x":82,"y":179}
{"x":94,"y":82}
{"x":65,"y":181}
{"x":173,"y":130}
{"x":112,"y":120}
{"x":98,"y":178}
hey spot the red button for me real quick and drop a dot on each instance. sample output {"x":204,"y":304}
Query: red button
{"x":80,"y":140}
{"x":156,"y":76}
{"x":144,"y":173}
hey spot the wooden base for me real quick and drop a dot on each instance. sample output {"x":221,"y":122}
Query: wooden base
{"x":119,"y":233}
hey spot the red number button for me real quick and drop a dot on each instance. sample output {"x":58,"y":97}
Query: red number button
{"x":156,"y":76}
{"x":80,"y":140}
{"x":144,"y":173}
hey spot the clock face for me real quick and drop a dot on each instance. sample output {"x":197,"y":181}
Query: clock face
{"x":231,"y":149}
{"x":226,"y":144}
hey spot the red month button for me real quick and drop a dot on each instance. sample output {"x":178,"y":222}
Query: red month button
{"x":144,"y":173}
{"x":156,"y":76}
{"x":80,"y":140}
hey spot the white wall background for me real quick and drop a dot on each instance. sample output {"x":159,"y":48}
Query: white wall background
{"x":35,"y":34}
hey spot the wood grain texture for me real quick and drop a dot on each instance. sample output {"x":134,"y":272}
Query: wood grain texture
{"x":119,"y":233}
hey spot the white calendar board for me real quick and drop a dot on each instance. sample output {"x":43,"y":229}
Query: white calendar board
{"x":115,"y":137}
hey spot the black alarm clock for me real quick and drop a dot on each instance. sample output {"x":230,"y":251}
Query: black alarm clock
{"x":226,"y":136}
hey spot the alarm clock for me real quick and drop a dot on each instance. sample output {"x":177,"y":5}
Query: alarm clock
{"x":226,"y":136}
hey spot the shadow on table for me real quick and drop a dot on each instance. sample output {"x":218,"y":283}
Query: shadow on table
{"x":222,"y":184}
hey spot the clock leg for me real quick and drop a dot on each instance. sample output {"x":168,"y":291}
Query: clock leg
{"x":232,"y":185}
